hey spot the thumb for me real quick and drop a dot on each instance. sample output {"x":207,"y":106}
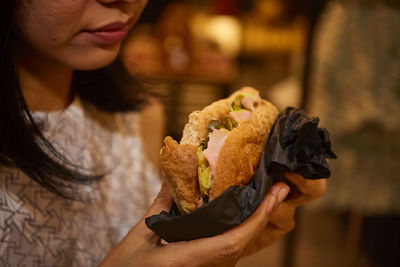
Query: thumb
{"x":161,"y":202}
{"x":142,"y":235}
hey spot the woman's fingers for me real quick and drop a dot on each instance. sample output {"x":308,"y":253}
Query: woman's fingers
{"x":281,"y":222}
{"x":267,"y":207}
{"x":283,"y":217}
{"x":229,"y":246}
{"x":305,"y":190}
{"x":226,"y":249}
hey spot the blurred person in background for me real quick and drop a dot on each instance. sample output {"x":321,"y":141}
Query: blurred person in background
{"x":76,"y":173}
{"x":355,"y":89}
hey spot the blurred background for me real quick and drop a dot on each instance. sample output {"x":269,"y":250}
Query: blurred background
{"x":339,"y":60}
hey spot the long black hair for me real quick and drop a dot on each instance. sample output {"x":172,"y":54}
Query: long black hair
{"x":22,"y":144}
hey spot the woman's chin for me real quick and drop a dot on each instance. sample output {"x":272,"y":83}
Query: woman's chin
{"x":92,"y":61}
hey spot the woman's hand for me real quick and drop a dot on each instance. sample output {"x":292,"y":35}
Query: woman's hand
{"x":142,"y":247}
{"x":282,"y":220}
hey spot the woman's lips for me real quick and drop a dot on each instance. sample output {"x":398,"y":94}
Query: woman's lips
{"x":109,"y":34}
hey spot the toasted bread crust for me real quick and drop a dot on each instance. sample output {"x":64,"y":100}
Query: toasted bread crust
{"x":240,"y":155}
{"x":179,"y":166}
{"x":238,"y":158}
{"x":196,"y":129}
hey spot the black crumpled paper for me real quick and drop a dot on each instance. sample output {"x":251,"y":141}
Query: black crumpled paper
{"x":295,"y":143}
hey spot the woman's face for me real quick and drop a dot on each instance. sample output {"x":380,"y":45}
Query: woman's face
{"x":81,"y":34}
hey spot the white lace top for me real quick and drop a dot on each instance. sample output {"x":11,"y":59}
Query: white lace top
{"x":38,"y":228}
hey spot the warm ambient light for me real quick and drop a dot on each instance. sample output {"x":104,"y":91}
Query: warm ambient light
{"x":224,"y":30}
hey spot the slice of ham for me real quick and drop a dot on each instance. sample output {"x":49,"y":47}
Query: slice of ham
{"x":239,"y":116}
{"x":248,"y":103}
{"x":216,"y":141}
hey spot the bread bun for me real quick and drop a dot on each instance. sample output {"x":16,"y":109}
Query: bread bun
{"x":238,"y":157}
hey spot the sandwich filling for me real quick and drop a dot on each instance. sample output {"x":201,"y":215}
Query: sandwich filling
{"x":208,"y":151}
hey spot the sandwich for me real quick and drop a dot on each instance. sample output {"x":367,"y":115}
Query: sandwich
{"x":220,"y":147}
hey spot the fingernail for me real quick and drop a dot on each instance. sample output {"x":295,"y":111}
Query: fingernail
{"x":283,"y":193}
{"x":271,"y":204}
{"x":275,"y":190}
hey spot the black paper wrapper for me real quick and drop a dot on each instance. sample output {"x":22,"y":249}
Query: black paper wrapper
{"x":295,"y":143}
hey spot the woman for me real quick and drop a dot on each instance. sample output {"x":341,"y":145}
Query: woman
{"x":74,"y":173}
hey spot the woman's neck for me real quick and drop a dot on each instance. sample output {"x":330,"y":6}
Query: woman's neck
{"x":46,"y":85}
